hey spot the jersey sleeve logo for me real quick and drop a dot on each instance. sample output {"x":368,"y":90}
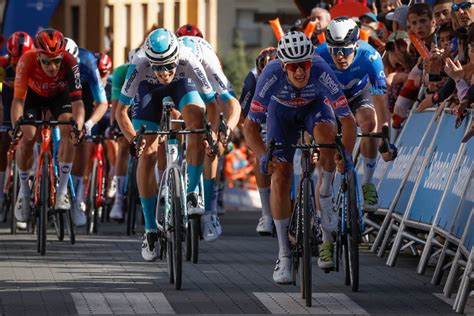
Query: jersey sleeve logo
{"x":329,"y":83}
{"x":77,"y":77}
{"x":267,"y":86}
{"x":340,"y":102}
{"x":130,"y":80}
{"x":257,"y":107}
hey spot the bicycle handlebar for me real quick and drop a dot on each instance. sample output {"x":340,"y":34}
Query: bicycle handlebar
{"x":45,"y":124}
{"x":384,"y":135}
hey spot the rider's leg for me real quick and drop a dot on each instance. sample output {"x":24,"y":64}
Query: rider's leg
{"x":80,"y":169}
{"x":263,"y":182}
{"x":121,"y":164}
{"x":24,"y":157}
{"x":65,"y":158}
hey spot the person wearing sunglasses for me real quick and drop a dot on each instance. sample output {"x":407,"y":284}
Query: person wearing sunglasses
{"x":298,"y":91}
{"x":252,"y":129}
{"x":163,"y":68}
{"x":359,"y":68}
{"x":17,"y":44}
{"x":95,"y":102}
{"x":464,"y":12}
{"x":47,"y":77}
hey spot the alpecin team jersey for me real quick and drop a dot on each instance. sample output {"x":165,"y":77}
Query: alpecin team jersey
{"x":248,"y":91}
{"x":90,"y":75}
{"x":274,"y":89}
{"x":211,"y":63}
{"x":188,"y":67}
{"x":365,"y":70}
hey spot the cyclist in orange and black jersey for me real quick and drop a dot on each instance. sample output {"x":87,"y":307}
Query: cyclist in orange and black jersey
{"x":47,"y":77}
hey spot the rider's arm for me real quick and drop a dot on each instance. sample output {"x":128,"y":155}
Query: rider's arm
{"x":253,"y":137}
{"x":381,"y":110}
{"x":232,"y":112}
{"x":16,"y":109}
{"x":97,"y":89}
{"x":20,"y":87}
{"x":75,"y":90}
{"x":124,"y":121}
{"x":117,"y":82}
{"x":78,"y":112}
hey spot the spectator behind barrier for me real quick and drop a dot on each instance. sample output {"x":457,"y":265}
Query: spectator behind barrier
{"x":442,"y":12}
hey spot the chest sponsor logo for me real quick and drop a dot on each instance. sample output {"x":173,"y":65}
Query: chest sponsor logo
{"x":257,"y":107}
{"x":296,"y":102}
{"x":329,"y":83}
{"x":267,"y":86}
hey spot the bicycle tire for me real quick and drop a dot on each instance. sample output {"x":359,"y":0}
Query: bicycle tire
{"x":307,"y":275}
{"x":169,"y":260}
{"x":44,"y":206}
{"x":132,"y":200}
{"x":14,"y":190}
{"x":70,"y":225}
{"x":188,"y":248}
{"x":177,"y":232}
{"x":91,"y":199}
{"x":353,"y":234}
{"x":58,"y":222}
{"x":195,"y":224}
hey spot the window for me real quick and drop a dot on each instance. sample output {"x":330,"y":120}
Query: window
{"x":247,"y":27}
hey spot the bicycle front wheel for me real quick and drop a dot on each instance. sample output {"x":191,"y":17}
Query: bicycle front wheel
{"x":132,"y":196}
{"x":43,"y":206}
{"x":352,"y":237}
{"x":174,"y":187}
{"x":307,"y":253}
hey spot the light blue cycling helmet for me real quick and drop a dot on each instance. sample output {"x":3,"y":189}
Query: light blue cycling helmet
{"x":161,"y":47}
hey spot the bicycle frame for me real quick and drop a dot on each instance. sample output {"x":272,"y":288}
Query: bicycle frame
{"x":45,"y":151}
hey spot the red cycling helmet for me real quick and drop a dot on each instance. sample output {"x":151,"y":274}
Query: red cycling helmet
{"x":50,"y":41}
{"x":264,"y":57}
{"x":188,"y":30}
{"x":18,"y":44}
{"x":104,"y":63}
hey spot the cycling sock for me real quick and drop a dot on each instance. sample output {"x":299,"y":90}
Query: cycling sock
{"x":2,"y":180}
{"x":149,"y":206}
{"x":24,"y":185}
{"x":194,"y":176}
{"x":210,"y":196}
{"x":326,"y":182}
{"x":281,"y":226}
{"x":64,"y":172}
{"x":327,"y":236}
{"x":265,"y":199}
{"x":78,"y":188}
{"x":120,"y":186}
{"x":368,"y":169}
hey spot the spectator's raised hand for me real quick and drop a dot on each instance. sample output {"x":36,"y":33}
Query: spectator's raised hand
{"x":454,"y":69}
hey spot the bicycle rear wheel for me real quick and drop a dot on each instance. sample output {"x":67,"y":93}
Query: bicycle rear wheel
{"x":132,"y":197}
{"x":58,"y":222}
{"x":195,"y":224}
{"x":92,"y":219}
{"x":307,"y":253}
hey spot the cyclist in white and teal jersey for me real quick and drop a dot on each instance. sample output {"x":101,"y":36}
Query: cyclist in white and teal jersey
{"x":211,"y":228}
{"x":163,"y":68}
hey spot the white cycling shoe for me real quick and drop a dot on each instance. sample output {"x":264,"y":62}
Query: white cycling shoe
{"x":210,"y":227}
{"x":282,"y":271}
{"x":79,"y":214}
{"x":22,"y":208}
{"x":265,"y":226}
{"x":117,"y":209}
{"x":150,"y":246}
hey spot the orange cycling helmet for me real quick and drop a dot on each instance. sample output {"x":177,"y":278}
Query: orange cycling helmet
{"x":264,"y":57}
{"x":50,"y":41}
{"x":104,"y":63}
{"x":188,"y":30}
{"x":18,"y":44}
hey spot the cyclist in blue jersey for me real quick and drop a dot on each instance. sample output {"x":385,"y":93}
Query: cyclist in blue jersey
{"x":265,"y":223}
{"x":359,"y":68}
{"x":95,"y":103}
{"x":291,"y":95}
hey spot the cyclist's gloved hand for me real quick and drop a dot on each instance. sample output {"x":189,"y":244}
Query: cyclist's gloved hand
{"x":88,"y":127}
{"x":344,"y":166}
{"x":135,"y":148}
{"x":264,"y":164}
{"x":391,"y":154}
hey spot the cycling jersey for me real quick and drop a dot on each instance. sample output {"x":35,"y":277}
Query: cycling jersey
{"x":90,"y":74}
{"x":30,"y":75}
{"x":290,"y":109}
{"x":248,"y":91}
{"x":7,"y":78}
{"x":366,"y":69}
{"x":189,"y":67}
{"x":211,"y":63}
{"x":118,"y":80}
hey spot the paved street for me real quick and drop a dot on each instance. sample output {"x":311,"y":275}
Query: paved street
{"x":105,"y":274}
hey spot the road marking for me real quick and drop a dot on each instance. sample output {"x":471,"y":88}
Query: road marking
{"x":323,"y":303}
{"x":121,"y":303}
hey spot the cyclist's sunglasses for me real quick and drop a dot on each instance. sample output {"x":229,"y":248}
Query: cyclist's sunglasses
{"x":345,"y":51}
{"x":305,"y":65}
{"x":165,"y":67}
{"x":49,"y":61}
{"x":463,"y":5}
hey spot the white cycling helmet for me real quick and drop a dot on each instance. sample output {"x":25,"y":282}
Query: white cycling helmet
{"x":161,"y":47}
{"x":294,"y":47}
{"x":190,"y":41}
{"x":71,"y":47}
{"x":341,"y":32}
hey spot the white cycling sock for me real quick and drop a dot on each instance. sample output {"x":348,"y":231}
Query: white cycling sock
{"x":79,"y":188}
{"x":327,"y":236}
{"x":368,"y":165}
{"x":326,"y":182}
{"x":24,"y":185}
{"x":265,"y":199}
{"x":64,"y":172}
{"x":281,"y":226}
{"x":120,"y":186}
